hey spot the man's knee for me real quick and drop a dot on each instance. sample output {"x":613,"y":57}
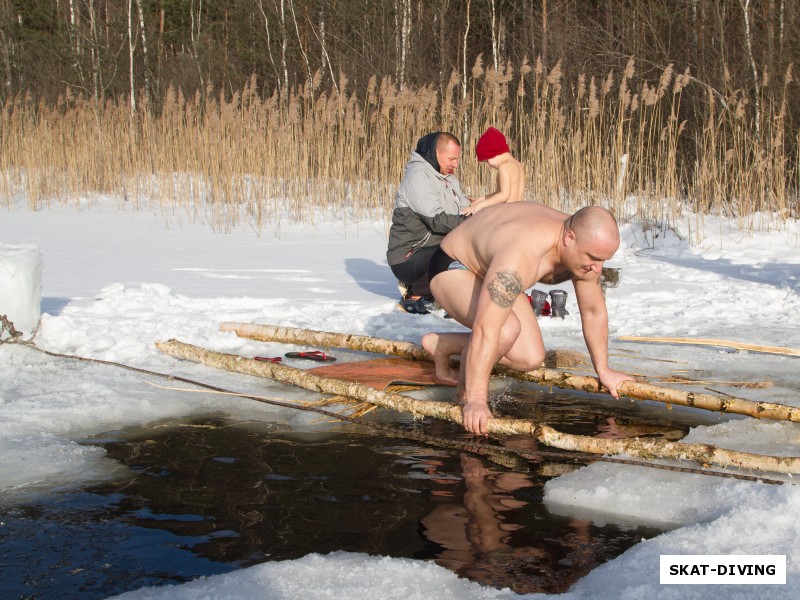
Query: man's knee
{"x":530,"y":362}
{"x":526,"y":361}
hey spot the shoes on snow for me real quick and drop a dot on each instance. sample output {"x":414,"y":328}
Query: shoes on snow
{"x":421,"y":305}
{"x":556,"y":307}
{"x":418,"y":305}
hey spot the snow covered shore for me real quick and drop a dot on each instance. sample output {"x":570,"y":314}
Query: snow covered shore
{"x":115,"y":282}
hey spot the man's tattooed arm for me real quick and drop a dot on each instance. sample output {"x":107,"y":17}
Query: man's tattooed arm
{"x":504,"y":288}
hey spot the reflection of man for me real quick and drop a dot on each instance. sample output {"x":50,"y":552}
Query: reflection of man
{"x":474,"y":530}
{"x":488,"y":533}
{"x":479,"y":274}
{"x":427,"y":206}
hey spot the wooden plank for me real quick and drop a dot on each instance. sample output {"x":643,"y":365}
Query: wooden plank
{"x":381,"y":373}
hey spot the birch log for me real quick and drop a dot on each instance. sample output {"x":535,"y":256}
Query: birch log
{"x":542,"y":376}
{"x":309,"y":337}
{"x":703,"y":454}
{"x":713,"y":342}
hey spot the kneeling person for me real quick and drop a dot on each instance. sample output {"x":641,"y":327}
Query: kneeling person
{"x":479,"y":275}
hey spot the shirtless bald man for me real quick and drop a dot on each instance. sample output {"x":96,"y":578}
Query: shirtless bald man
{"x":479,"y":275}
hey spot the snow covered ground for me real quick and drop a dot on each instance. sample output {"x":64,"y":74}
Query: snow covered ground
{"x":114,"y":282}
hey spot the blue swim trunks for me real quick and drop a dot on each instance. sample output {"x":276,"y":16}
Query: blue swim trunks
{"x":441,"y":262}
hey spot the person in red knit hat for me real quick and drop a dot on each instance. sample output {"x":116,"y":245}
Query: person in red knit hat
{"x":492,"y":148}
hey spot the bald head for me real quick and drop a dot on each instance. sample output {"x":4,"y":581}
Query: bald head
{"x":593,"y":224}
{"x":444,"y":139}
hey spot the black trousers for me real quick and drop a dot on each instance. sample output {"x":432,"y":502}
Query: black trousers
{"x":413,"y":272}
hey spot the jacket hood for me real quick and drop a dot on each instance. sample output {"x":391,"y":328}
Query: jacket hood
{"x":426,"y":148}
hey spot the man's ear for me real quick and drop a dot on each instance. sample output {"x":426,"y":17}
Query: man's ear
{"x":569,"y":237}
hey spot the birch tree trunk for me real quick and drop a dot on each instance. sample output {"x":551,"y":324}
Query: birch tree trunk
{"x":145,"y":63}
{"x":745,"y":5}
{"x":703,"y":454}
{"x":781,"y":30}
{"x":74,"y":24}
{"x":495,"y":56}
{"x":464,"y":53}
{"x":196,"y":27}
{"x":309,"y":74}
{"x":130,"y":56}
{"x":284,"y":42}
{"x":442,"y":29}
{"x":544,"y":34}
{"x":770,"y":60}
{"x":326,"y":59}
{"x":402,"y":21}
{"x":260,"y":5}
{"x":97,"y":79}
{"x":76,"y":37}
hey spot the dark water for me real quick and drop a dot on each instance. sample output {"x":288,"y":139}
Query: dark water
{"x":210,"y":494}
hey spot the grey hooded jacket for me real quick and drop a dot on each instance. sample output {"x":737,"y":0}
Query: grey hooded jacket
{"x":427,"y":206}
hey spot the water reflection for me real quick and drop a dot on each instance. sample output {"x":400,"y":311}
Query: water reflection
{"x":491,"y":527}
{"x":214,"y":494}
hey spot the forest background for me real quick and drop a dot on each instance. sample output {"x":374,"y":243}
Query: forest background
{"x":254,"y":111}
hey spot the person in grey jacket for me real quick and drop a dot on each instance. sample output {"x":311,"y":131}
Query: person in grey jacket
{"x":427,"y":206}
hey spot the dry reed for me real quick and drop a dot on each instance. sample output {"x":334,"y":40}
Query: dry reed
{"x":314,"y":153}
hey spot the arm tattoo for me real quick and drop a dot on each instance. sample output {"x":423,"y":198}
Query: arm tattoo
{"x":504,"y":288}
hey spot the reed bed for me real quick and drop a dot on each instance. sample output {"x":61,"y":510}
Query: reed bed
{"x":621,"y":141}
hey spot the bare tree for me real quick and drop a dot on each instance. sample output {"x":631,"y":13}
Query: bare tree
{"x":528,"y":21}
{"x":74,"y":23}
{"x":145,"y":63}
{"x":7,"y":50}
{"x":131,"y":45}
{"x":76,"y":42}
{"x":464,"y":51}
{"x":444,"y":73}
{"x":544,"y":33}
{"x":260,"y":5}
{"x":781,"y":29}
{"x":309,"y":75}
{"x":770,"y":58}
{"x":284,"y":42}
{"x":745,"y":5}
{"x":403,"y":39}
{"x":96,"y":55}
{"x":326,"y":59}
{"x":493,"y":19}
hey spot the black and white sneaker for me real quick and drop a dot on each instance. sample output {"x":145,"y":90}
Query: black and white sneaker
{"x":417,"y":305}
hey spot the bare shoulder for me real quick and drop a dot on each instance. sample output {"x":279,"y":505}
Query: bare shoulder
{"x":511,"y":164}
{"x":535,"y":215}
{"x":513,"y":220}
{"x":518,"y":227}
{"x":520,"y":235}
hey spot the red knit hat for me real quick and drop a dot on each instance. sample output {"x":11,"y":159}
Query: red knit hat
{"x":491,"y":144}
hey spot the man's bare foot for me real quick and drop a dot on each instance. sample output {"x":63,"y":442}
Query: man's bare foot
{"x":441,"y":359}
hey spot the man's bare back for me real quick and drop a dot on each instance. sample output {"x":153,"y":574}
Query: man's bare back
{"x":535,"y":229}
